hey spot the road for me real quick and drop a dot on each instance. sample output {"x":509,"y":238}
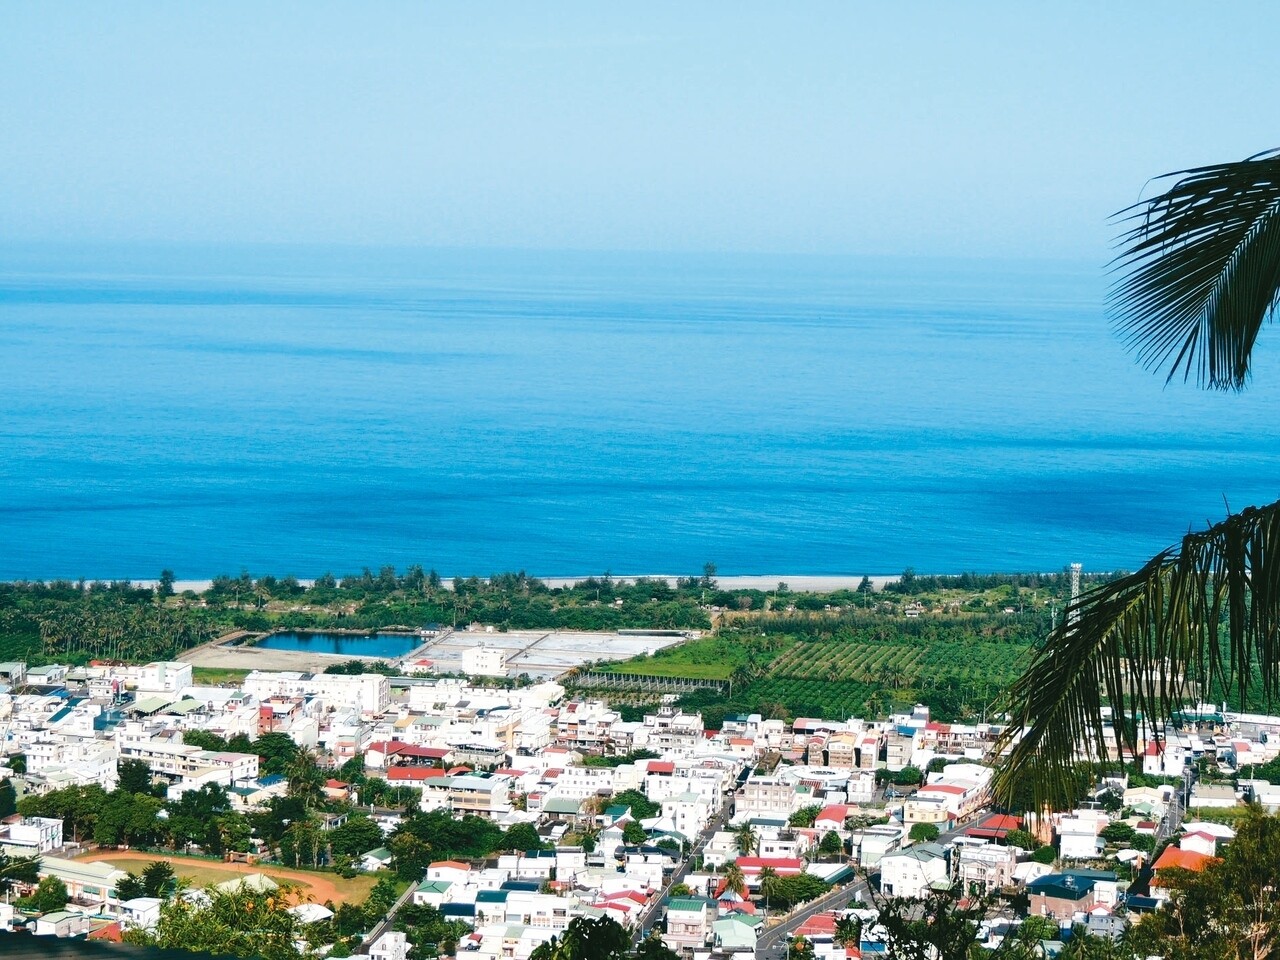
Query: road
{"x":656,"y":903}
{"x":773,"y":942}
{"x":384,"y":924}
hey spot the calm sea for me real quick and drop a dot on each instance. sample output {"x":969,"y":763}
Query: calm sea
{"x":302,"y":410}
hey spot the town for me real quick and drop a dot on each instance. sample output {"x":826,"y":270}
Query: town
{"x":403,"y":816}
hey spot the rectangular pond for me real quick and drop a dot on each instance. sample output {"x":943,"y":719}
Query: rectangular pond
{"x":385,"y":645}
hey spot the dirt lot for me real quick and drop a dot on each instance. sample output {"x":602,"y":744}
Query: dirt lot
{"x":317,"y":887}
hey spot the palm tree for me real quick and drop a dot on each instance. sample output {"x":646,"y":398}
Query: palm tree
{"x":1200,"y":273}
{"x":735,"y":880}
{"x":848,"y":930}
{"x":747,"y":839}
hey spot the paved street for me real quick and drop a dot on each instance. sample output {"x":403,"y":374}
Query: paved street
{"x":773,"y":942}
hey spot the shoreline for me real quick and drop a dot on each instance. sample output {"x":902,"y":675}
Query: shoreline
{"x":800,"y":583}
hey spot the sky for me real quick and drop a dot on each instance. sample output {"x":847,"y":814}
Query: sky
{"x":972,"y":129}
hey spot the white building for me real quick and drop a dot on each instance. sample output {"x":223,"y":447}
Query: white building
{"x":368,"y":692}
{"x":913,"y":872}
{"x":482,"y":661}
{"x":390,"y":946}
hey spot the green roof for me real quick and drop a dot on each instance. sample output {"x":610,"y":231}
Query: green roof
{"x":562,"y":805}
{"x":378,"y":853}
{"x":434,"y":886}
{"x":491,"y":896}
{"x":688,"y":904}
{"x":150,"y":704}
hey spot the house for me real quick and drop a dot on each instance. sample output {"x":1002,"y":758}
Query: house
{"x":29,"y":836}
{"x":915,"y":871}
{"x":1062,"y":896}
{"x":60,"y":923}
{"x":392,"y":945}
{"x":89,"y":884}
{"x":1198,"y":842}
{"x":689,"y":921}
{"x":988,"y":866}
{"x":375,"y":859}
{"x":140,"y":913}
{"x":735,"y":935}
{"x":874,"y":843}
{"x":1176,"y":858}
{"x":1219,"y":796}
{"x":1079,"y":835}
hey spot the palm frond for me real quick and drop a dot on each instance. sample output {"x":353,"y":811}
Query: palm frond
{"x":1206,"y":612}
{"x":1200,"y":271}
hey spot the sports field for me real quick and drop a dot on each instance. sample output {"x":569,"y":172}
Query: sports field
{"x":315,"y":887}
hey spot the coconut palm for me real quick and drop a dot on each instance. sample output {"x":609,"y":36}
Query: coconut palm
{"x":848,"y":930}
{"x":1199,"y":274}
{"x":747,"y":840}
{"x":734,"y":879}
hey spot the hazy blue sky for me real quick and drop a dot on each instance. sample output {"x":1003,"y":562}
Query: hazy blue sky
{"x":934,"y":128}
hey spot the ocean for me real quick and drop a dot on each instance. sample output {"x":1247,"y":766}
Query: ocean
{"x":301,"y":410}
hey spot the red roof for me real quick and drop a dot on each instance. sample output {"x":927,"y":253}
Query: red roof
{"x":838,"y":812}
{"x":662,"y":766}
{"x":110,"y":932}
{"x":413,"y":773}
{"x":1186,"y":859}
{"x":944,"y":788}
{"x":336,"y":785}
{"x":818,"y":924}
{"x":455,"y":864}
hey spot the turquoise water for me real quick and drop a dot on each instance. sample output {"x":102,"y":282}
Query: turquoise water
{"x":388,"y":645}
{"x":299,"y":410}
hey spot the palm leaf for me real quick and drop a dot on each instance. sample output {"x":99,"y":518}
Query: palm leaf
{"x":1200,"y":271}
{"x":1206,"y":612}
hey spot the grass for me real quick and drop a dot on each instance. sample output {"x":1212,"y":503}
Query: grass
{"x":203,"y":873}
{"x":216,"y":676}
{"x":707,"y":658}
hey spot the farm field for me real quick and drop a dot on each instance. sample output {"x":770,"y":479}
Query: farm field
{"x":316,"y":887}
{"x":714,"y":657}
{"x":217,"y":676}
{"x":835,"y":668}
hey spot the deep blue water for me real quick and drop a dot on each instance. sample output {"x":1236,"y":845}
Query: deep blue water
{"x":299,"y":410}
{"x":386,"y":645}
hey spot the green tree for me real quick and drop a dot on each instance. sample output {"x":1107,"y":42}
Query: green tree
{"x":8,"y":798}
{"x":734,"y":880}
{"x":1229,"y":909}
{"x":601,"y":938}
{"x":634,"y":834}
{"x":306,"y":779}
{"x":1021,"y":839}
{"x":1200,"y":274}
{"x":158,"y":879}
{"x":805,"y":816}
{"x":924,"y":832}
{"x":130,"y":887}
{"x":50,"y":895}
{"x":239,"y":922}
{"x":831,"y":844}
{"x":653,"y":947}
{"x":164,"y":586}
{"x":746,"y":839}
{"x":848,"y":929}
{"x":134,"y":776}
{"x":15,"y":870}
{"x":523,"y":837}
{"x":275,"y":751}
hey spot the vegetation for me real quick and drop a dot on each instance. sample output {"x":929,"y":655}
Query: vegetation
{"x":1200,"y":274}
